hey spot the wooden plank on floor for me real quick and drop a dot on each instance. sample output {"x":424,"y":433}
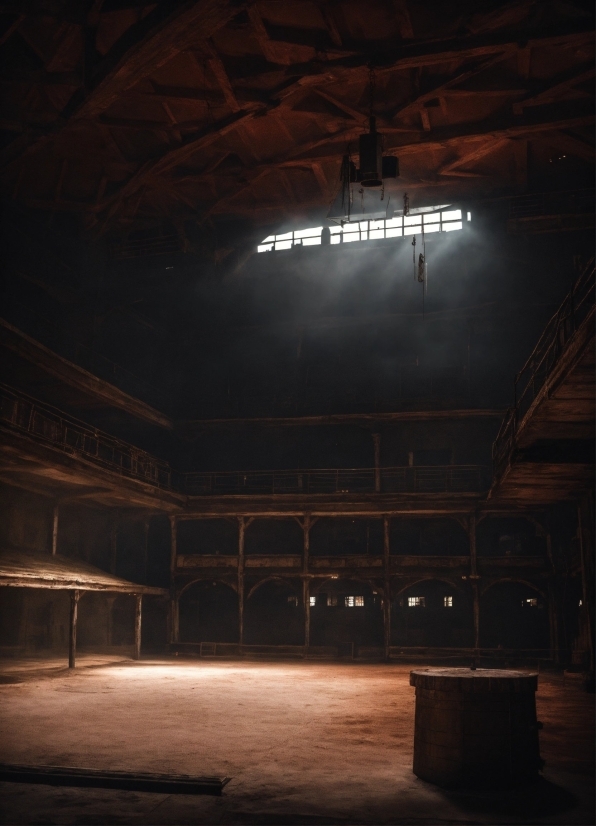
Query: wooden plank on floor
{"x":96,"y":778}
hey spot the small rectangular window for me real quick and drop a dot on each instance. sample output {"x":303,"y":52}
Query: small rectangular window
{"x":349,"y":602}
{"x":331,"y":600}
{"x":452,"y":225}
{"x":452,"y":215}
{"x":359,"y":602}
{"x":312,"y":601}
{"x":416,"y":602}
{"x":285,"y":236}
{"x":293,"y":601}
{"x":448,"y":602}
{"x":532,"y":602}
{"x":308,"y":233}
{"x":264,"y":247}
{"x":283,"y":245}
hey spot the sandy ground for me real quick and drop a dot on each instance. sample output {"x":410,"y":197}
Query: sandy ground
{"x":302,"y":742}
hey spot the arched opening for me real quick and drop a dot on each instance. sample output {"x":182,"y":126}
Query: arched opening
{"x":432,"y":613}
{"x":513,"y":615}
{"x":273,"y":537}
{"x":346,"y":611}
{"x":274,"y":614}
{"x":209,"y":613}
{"x":428,"y":537}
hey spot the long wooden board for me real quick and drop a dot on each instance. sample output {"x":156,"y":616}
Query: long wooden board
{"x":96,"y":778}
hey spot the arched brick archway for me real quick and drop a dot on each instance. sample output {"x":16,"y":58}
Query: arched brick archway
{"x":208,"y":612}
{"x":274,"y":612}
{"x":432,"y":612}
{"x":338,"y":616}
{"x":514,"y":614}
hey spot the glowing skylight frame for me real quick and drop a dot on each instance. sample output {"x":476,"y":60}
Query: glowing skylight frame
{"x":446,"y":220}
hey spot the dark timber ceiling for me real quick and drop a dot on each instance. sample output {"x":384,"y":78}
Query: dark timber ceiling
{"x":234,"y":114}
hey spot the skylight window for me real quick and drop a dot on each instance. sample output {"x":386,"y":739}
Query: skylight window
{"x":440,"y":221}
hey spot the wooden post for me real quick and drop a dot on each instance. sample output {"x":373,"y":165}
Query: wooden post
{"x":55,"y":529}
{"x":585,"y":520}
{"x":173,"y":548}
{"x":72,"y":642}
{"x":306,"y":524}
{"x":138,"y":606}
{"x":476,"y":614}
{"x":146,"y":549}
{"x":474,"y":578}
{"x":377,"y":450}
{"x":174,"y":617}
{"x":241,"y":530}
{"x":387,"y":590}
{"x":113,"y":547}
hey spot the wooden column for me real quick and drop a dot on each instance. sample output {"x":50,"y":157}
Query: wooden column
{"x":377,"y":450}
{"x":138,"y":607}
{"x":146,"y":548}
{"x":306,"y":580}
{"x":241,"y":530}
{"x":173,"y":547}
{"x":474,"y":578}
{"x":174,"y":617}
{"x":55,"y":529}
{"x":387,"y":591}
{"x":113,"y":547}
{"x":585,"y":520}
{"x":174,"y":607}
{"x":72,"y":640}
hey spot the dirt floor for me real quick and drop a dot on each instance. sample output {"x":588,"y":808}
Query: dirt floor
{"x":303,"y":743}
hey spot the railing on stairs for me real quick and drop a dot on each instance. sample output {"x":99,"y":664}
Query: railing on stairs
{"x":545,"y":355}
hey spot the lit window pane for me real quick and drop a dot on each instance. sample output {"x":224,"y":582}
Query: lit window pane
{"x":416,"y":602}
{"x":349,"y":602}
{"x":306,"y":233}
{"x":452,"y":225}
{"x":335,"y":230}
{"x":359,"y":602}
{"x":331,"y":600}
{"x":264,"y":247}
{"x":452,"y":215}
{"x":413,"y":230}
{"x":409,"y":220}
{"x":376,"y":233}
{"x":312,"y":601}
{"x":432,"y":228}
{"x":393,"y":222}
{"x":393,"y":233}
{"x":283,"y":237}
{"x":268,"y":239}
{"x":283,"y":245}
{"x":309,"y":242}
{"x":377,"y":224}
{"x":363,"y":226}
{"x":351,"y":236}
{"x":364,"y":236}
{"x":336,"y":239}
{"x":448,"y":602}
{"x":432,"y":218}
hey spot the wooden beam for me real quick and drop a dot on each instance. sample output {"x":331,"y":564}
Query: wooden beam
{"x":75,"y":376}
{"x":152,"y":42}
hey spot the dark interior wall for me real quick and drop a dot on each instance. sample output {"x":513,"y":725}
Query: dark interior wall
{"x":433,"y":623}
{"x":346,"y":536}
{"x":207,"y":536}
{"x":428,"y":537}
{"x":26,"y":520}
